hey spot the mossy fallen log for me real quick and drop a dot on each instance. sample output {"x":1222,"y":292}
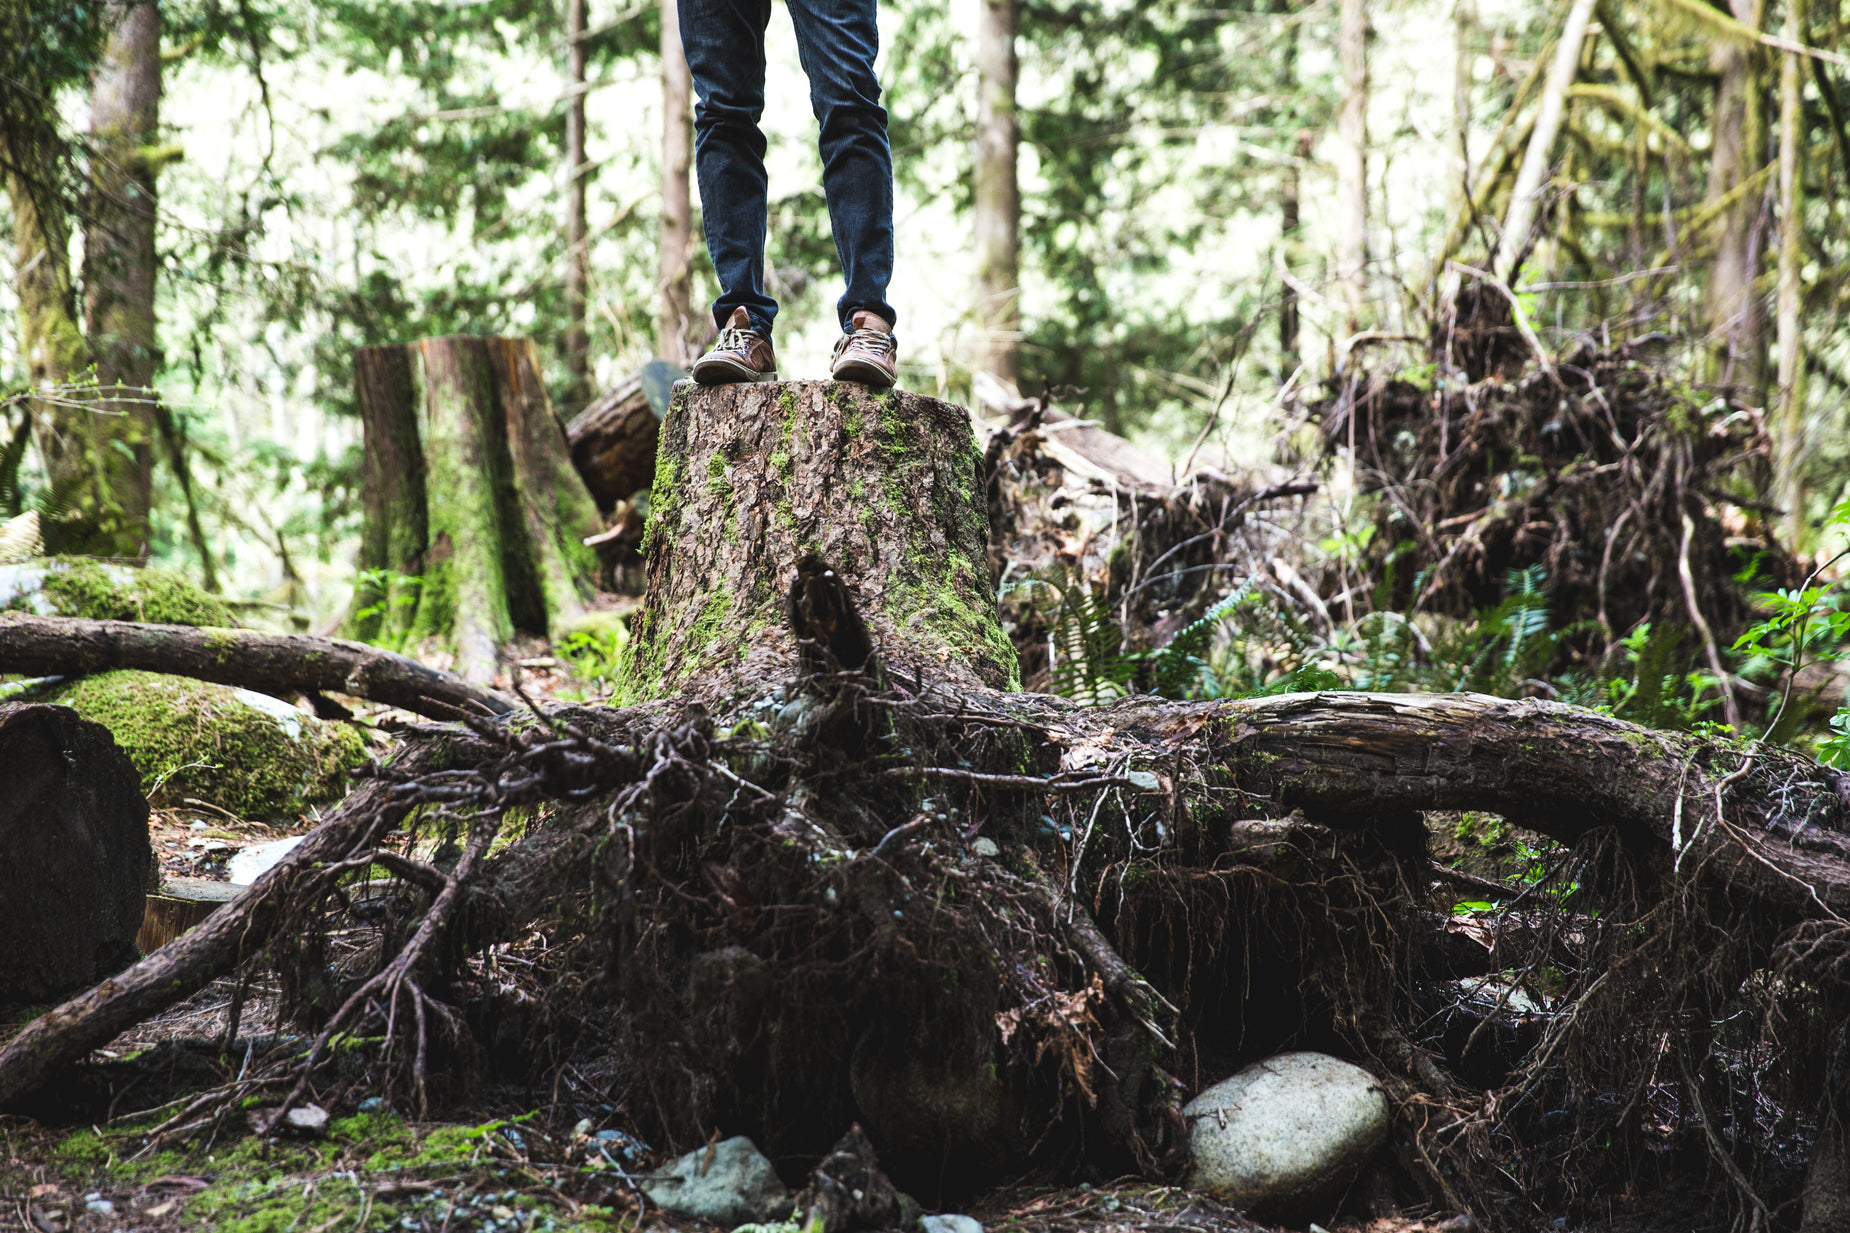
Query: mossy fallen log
{"x":268,"y":663}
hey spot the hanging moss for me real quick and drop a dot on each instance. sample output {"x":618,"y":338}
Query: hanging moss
{"x":243,"y":752}
{"x":102,"y":591}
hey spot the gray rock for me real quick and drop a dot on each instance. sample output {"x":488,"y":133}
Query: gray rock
{"x":739,"y":1186}
{"x":950,"y":1224}
{"x":1284,"y":1138}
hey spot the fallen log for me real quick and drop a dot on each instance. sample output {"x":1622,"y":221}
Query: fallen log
{"x":613,"y":440}
{"x":267,"y":663}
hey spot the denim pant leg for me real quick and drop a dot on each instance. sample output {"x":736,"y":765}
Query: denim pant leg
{"x":837,"y":41}
{"x":724,"y":41}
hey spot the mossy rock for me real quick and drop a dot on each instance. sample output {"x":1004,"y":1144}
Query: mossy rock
{"x":244,"y":752}
{"x":104,"y":591}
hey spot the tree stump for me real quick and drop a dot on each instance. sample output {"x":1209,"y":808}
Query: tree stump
{"x":474,"y":515}
{"x":754,"y":481}
{"x":75,"y":860}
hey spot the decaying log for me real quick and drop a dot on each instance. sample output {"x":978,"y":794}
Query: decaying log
{"x":474,"y":517}
{"x":267,"y":663}
{"x":613,"y":440}
{"x":75,"y":861}
{"x":1783,"y":835}
{"x":886,"y":489}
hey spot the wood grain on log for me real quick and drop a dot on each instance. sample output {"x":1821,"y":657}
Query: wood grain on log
{"x":886,"y":489}
{"x":268,"y":663}
{"x":75,"y":860}
{"x":613,"y":442}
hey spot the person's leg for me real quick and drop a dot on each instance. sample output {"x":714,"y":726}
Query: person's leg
{"x":724,"y":40}
{"x":837,"y":40}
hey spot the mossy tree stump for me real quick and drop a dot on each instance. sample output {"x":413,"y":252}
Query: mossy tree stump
{"x":751,"y":481}
{"x":474,"y":516}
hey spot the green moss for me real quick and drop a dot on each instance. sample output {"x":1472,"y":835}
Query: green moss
{"x":717,"y":484}
{"x":664,"y":499}
{"x":80,"y":587}
{"x":708,"y":625}
{"x":218,"y":744}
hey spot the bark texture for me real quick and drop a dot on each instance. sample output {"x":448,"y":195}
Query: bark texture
{"x":676,"y":334}
{"x":268,"y":663}
{"x":75,"y":851}
{"x":1737,"y":315}
{"x":475,"y":518}
{"x":885,"y":489}
{"x":1352,"y":162}
{"x":577,"y":237}
{"x":119,"y":259}
{"x":998,"y":193}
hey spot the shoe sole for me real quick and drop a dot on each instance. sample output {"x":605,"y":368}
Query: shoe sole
{"x":864,"y":373}
{"x":727,"y":372}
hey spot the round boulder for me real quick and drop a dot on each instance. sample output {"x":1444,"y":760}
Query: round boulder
{"x":1284,"y":1138}
{"x":245,"y":752}
{"x":75,"y":860}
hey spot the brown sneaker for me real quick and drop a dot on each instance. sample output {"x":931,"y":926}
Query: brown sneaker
{"x":869,"y":355}
{"x":741,"y":354}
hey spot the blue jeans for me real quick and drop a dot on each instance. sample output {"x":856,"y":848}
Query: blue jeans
{"x":836,"y":40}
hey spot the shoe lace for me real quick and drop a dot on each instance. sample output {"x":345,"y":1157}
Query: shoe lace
{"x":878,"y":341}
{"x":732,"y":338}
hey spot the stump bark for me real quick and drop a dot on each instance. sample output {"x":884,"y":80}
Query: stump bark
{"x":74,"y":853}
{"x":751,"y":481}
{"x":474,"y":515}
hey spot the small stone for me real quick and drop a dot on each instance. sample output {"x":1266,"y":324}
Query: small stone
{"x":374,"y":1105}
{"x":307,"y":1119}
{"x":737,"y":1186}
{"x":1463,"y":1223}
{"x":950,"y":1224}
{"x":583,"y":1129}
{"x":98,"y":1204}
{"x":985,"y":846}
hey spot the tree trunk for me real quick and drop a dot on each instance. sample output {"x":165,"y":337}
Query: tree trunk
{"x":676,"y":335}
{"x":99,"y":508}
{"x":1525,"y":197}
{"x":1289,"y":208}
{"x":884,"y":489}
{"x":1352,"y":168}
{"x":1736,"y":316}
{"x":119,"y":260}
{"x":75,"y":862}
{"x":269,"y":663}
{"x":473,"y":511}
{"x":577,"y":242}
{"x":1791,"y":434}
{"x":998,"y":194}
